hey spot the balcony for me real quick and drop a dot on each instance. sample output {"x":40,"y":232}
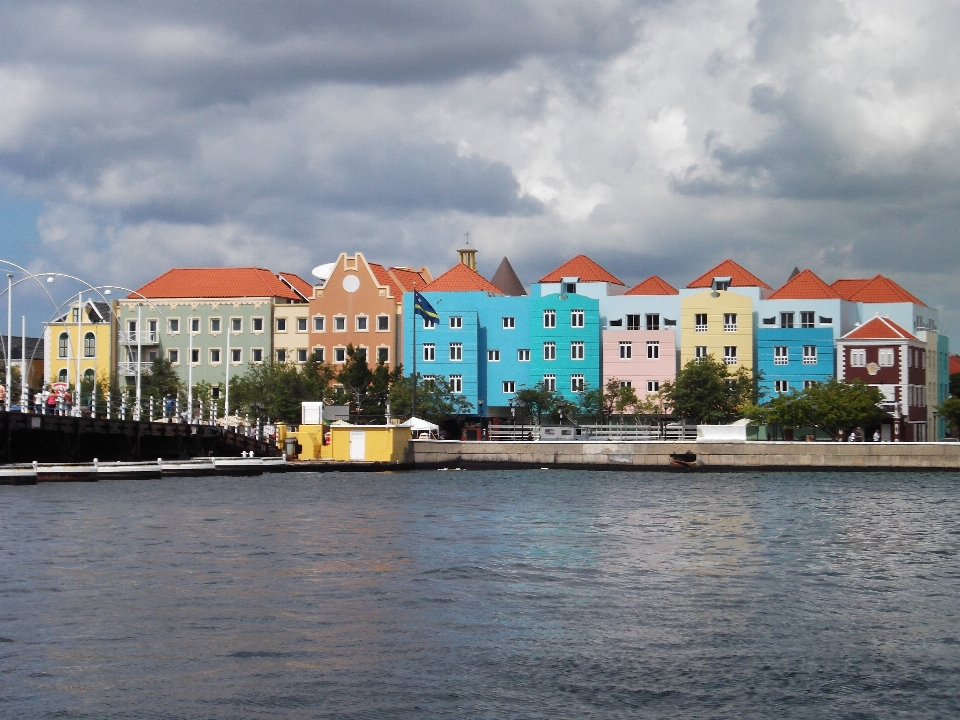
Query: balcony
{"x":143,"y":337}
{"x":130,"y":368}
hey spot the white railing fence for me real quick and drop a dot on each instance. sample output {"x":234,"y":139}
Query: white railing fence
{"x":624,"y":433}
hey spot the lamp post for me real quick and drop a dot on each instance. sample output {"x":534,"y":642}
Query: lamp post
{"x":76,"y":387}
{"x":7,"y":358}
{"x":226,"y":392}
{"x":190,"y":370}
{"x":136,"y":410}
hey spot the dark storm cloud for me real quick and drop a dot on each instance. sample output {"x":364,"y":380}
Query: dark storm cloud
{"x":232,"y":52}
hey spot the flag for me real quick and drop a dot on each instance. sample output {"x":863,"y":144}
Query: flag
{"x":424,"y":309}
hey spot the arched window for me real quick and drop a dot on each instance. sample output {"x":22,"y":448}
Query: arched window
{"x":62,"y":345}
{"x":88,"y":374}
{"x":62,"y":377}
{"x":89,"y":345}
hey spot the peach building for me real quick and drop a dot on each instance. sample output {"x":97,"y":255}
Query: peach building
{"x":360,"y":303}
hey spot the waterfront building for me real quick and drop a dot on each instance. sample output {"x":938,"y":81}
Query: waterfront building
{"x":580,"y":275}
{"x":81,"y":341}
{"x":798,"y":327}
{"x":32,"y":352}
{"x":210,"y":323}
{"x":880,"y":295}
{"x":360,"y":303}
{"x":717,"y":315}
{"x":291,"y":323}
{"x":640,"y":334}
{"x":883,"y":354}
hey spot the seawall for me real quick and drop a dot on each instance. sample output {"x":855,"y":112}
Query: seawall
{"x":711,"y":457}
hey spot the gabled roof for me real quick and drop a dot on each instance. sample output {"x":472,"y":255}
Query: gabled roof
{"x":506,"y":279}
{"x":805,"y":286}
{"x":299,"y":284}
{"x":460,"y":278}
{"x":879,"y":328}
{"x":878,"y":289}
{"x":739,"y":277}
{"x":653,"y":285}
{"x":954,"y":366}
{"x":217,"y":283}
{"x":408,"y":278}
{"x":384,"y":277}
{"x":580,"y":267}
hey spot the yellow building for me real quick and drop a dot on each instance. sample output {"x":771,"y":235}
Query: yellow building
{"x":718,"y":323}
{"x":83,"y":342}
{"x":344,"y":443}
{"x":291,"y":332}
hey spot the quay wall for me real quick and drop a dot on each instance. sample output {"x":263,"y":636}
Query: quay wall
{"x":713,"y":456}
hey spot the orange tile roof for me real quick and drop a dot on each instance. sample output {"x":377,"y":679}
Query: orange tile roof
{"x":217,"y":283}
{"x":582,"y":267}
{"x":384,"y":278}
{"x":460,"y":278}
{"x":878,"y":289}
{"x":847,"y":287}
{"x":739,"y":277}
{"x":407,"y":278}
{"x":879,"y":328}
{"x":653,"y":285}
{"x":954,"y":364}
{"x":805,"y":285}
{"x":305,"y":288}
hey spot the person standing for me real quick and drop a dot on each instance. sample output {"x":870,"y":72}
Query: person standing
{"x":876,"y":436}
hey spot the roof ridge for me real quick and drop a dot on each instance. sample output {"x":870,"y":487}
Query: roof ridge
{"x":740,"y":276}
{"x":599,"y":273}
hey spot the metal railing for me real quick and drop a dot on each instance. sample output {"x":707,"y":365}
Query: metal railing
{"x":673,"y":432}
{"x":144,"y":337}
{"x":130,"y":368}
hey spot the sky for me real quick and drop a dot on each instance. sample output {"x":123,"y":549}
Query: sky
{"x":657,"y":137}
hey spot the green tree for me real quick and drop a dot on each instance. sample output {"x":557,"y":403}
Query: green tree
{"x":784,"y":411}
{"x":706,"y":392}
{"x":435,"y":400}
{"x":838,"y":406}
{"x":160,"y":381}
{"x":950,"y":410}
{"x":276,"y":390}
{"x":955,"y":385}
{"x":536,"y":401}
{"x":608,"y":400}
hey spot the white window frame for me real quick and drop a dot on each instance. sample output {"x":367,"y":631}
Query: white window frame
{"x":549,"y":351}
{"x":730,"y":354}
{"x":277,"y":353}
{"x":781,"y":355}
{"x":302,"y":355}
{"x":238,"y":354}
{"x":576,"y":382}
{"x":386,"y":358}
{"x":281,"y":324}
{"x":219,"y":322}
{"x":195,"y":357}
{"x":254,"y":321}
{"x":523,"y":355}
{"x":319,"y":353}
{"x":456,"y":352}
{"x":626,"y":350}
{"x":234,"y":321}
{"x":808,"y":319}
{"x":653,"y":321}
{"x":858,"y":357}
{"x":577,"y":350}
{"x":699,"y":326}
{"x":339,"y":320}
{"x":173,"y":326}
{"x":729,"y":322}
{"x":363,"y":320}
{"x":385,"y":318}
{"x":700,"y":352}
{"x":577,"y":318}
{"x":781,"y":386}
{"x":429,"y":352}
{"x":456,"y":322}
{"x":885,"y":357}
{"x":219,"y":359}
{"x":653,"y":386}
{"x":306,"y":325}
{"x":810,"y":354}
{"x":340,"y":351}
{"x":319,"y":323}
{"x":550,"y":382}
{"x":456,"y":384}
{"x":509,"y":323}
{"x":549,"y":318}
{"x":173,"y":356}
{"x":493,"y":356}
{"x":254,"y":353}
{"x":509,"y":387}
{"x":653,"y":349}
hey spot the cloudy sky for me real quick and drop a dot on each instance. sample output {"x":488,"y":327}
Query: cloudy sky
{"x":657,"y":137}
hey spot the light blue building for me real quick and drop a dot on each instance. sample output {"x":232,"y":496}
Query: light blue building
{"x":565,"y":351}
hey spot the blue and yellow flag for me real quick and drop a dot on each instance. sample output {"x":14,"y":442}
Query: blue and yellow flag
{"x":424,"y":309}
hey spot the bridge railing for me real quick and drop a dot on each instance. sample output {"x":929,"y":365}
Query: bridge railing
{"x":675,"y":432}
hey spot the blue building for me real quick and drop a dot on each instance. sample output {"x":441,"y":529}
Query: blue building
{"x":565,"y":349}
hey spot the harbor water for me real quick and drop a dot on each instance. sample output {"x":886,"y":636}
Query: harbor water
{"x":494,"y":594}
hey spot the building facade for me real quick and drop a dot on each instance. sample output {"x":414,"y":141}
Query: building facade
{"x":81,"y":342}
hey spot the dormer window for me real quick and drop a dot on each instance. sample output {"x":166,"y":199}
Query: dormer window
{"x":569,"y":285}
{"x":721,"y":283}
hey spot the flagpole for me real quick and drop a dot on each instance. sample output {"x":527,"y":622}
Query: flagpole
{"x":413,"y":404}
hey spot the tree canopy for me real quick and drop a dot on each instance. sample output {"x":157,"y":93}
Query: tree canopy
{"x":706,"y":392}
{"x":275,"y":390}
{"x":950,"y":410}
{"x":831,"y":406}
{"x":435,"y":400}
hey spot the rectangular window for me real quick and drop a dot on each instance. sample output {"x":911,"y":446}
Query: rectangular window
{"x":626,"y":383}
{"x":236,"y":355}
{"x":729,"y":322}
{"x":281,"y":356}
{"x":428,"y":324}
{"x":576,"y":383}
{"x":781,"y":386}
{"x":786,"y":319}
{"x":653,"y":350}
{"x":281,"y":324}
{"x":256,"y":355}
{"x":301,"y":355}
{"x":173,"y":356}
{"x":700,"y":322}
{"x":301,"y":324}
{"x":807,"y":319}
{"x":825,"y":320}
{"x":549,"y":351}
{"x":576,"y":351}
{"x":339,"y":323}
{"x":809,"y":354}
{"x":214,"y":356}
{"x":318,"y":323}
{"x":730,"y":354}
{"x":770,"y":320}
{"x":549,"y":318}
{"x":319,"y":355}
{"x":383,"y":323}
{"x":858,"y":358}
{"x":886,"y":357}
{"x":633,"y":322}
{"x":509,"y":323}
{"x":257,"y":324}
{"x":339,"y":355}
{"x":75,"y":315}
{"x":781,"y":355}
{"x":523,"y":356}
{"x":236,"y":324}
{"x":173,"y":326}
{"x":456,"y":383}
{"x":807,"y":384}
{"x":576,"y":318}
{"x":493,"y":355}
{"x":456,"y":322}
{"x":570,"y":288}
{"x":215,"y":325}
{"x":361,"y":323}
{"x":700,"y":352}
{"x":195,"y":356}
{"x":550,"y":383}
{"x":62,"y":345}
{"x":653,"y":321}
{"x":429,"y":352}
{"x":653,"y":385}
{"x":509,"y":387}
{"x":626,"y":349}
{"x":383,"y":355}
{"x":456,"y":351}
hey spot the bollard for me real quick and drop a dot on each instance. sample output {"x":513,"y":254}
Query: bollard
{"x":151,"y":408}
{"x":176,"y":409}
{"x":123,"y":407}
{"x":108,"y":405}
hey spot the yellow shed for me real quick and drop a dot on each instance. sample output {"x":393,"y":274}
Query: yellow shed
{"x":372,"y":443}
